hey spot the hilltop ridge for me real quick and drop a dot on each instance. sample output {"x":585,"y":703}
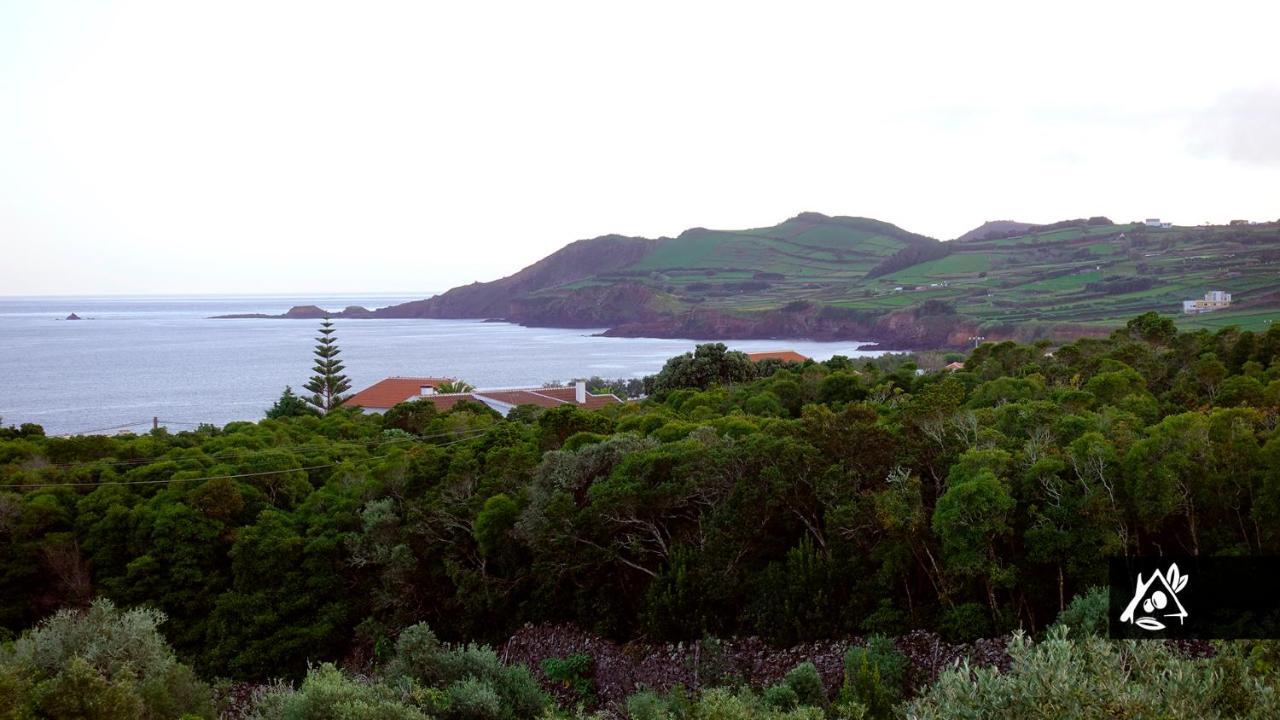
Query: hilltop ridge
{"x":853,"y":278}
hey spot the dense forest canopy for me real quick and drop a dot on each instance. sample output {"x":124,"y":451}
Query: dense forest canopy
{"x":791,"y":502}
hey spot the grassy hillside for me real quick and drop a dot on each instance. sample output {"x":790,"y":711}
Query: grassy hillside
{"x":1102,"y":274}
{"x":857,"y":278}
{"x":808,"y":256}
{"x":1083,"y":275}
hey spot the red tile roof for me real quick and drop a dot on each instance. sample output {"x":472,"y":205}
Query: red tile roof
{"x":783,"y":355}
{"x":387,"y":393}
{"x":446,"y":401}
{"x":548,"y":397}
{"x":392,"y":390}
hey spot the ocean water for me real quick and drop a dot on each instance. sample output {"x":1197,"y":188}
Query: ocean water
{"x":131,"y":359}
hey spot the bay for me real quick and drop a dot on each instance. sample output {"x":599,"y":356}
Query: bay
{"x":131,"y":359}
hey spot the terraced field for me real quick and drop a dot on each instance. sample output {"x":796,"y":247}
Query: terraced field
{"x":1088,"y":274}
{"x":1085,"y":274}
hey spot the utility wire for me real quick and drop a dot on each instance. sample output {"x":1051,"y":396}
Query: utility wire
{"x":101,"y":430}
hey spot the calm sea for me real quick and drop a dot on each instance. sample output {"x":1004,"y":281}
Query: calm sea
{"x":134,"y":358}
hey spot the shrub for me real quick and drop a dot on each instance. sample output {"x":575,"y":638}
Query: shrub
{"x":111,"y":641}
{"x":520,"y":692}
{"x":1096,"y":677}
{"x":420,"y":658}
{"x":806,"y":683}
{"x":874,"y":676}
{"x":416,"y":655}
{"x":573,"y":672}
{"x":474,"y":699}
{"x":1086,"y":614}
{"x":647,"y":705}
{"x":780,"y":697}
{"x":722,"y":704}
{"x":776,"y":703}
{"x":328,"y":694}
{"x":98,"y":663}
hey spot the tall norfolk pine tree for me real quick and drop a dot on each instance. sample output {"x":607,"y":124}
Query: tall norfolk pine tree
{"x":328,"y":384}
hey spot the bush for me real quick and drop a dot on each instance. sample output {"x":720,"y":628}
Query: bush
{"x":776,"y":703}
{"x":1096,"y":677}
{"x":806,"y":683}
{"x":420,"y":658}
{"x":1086,"y":614}
{"x":780,"y":697}
{"x":722,"y":704}
{"x":647,"y":705}
{"x":328,"y":694}
{"x":874,"y":676}
{"x":416,"y":655}
{"x":573,"y":672}
{"x":98,"y":663}
{"x":474,"y":699}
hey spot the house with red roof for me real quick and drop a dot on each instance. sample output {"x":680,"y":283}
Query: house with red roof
{"x":783,"y":355}
{"x":389,"y":391}
{"x":384,"y":394}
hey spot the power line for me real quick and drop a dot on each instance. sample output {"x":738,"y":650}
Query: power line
{"x":236,"y":476}
{"x":102,"y":430}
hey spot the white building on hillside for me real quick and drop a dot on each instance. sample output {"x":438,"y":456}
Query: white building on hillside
{"x":1213,"y":300}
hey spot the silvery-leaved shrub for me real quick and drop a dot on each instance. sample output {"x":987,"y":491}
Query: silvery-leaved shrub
{"x":329,"y":694}
{"x":470,"y":675}
{"x":101,"y":662}
{"x":1092,"y":677}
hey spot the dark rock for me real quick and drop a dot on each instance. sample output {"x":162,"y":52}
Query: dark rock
{"x":73,"y":316}
{"x":307,"y":312}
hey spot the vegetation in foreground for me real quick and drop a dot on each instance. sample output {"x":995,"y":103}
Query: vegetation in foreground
{"x":795,"y":503}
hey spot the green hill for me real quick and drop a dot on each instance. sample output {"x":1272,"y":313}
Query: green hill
{"x":856,"y":278}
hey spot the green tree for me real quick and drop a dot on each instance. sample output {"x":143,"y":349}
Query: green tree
{"x":970,"y":518}
{"x":328,"y":384}
{"x":708,"y":365}
{"x":1152,"y":328}
{"x":290,"y":405}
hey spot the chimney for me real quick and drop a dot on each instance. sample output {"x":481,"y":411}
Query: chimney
{"x":580,"y":392}
{"x":426,"y":390}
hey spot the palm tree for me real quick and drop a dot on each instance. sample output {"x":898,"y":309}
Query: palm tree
{"x":455,"y":386}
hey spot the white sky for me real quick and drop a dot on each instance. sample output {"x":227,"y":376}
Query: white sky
{"x":184,"y":147}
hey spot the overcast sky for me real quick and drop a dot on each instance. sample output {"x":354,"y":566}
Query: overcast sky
{"x":183,"y":147}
